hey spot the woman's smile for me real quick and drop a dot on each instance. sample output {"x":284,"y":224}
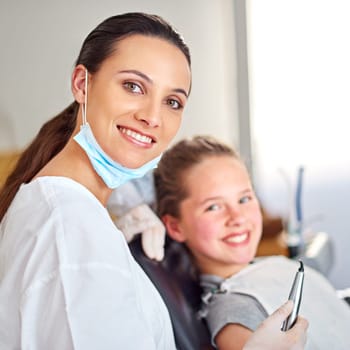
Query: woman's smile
{"x":136,"y":137}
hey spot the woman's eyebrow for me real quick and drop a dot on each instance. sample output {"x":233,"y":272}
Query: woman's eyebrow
{"x":136,"y":72}
{"x":181,"y":91}
{"x":148,"y":79}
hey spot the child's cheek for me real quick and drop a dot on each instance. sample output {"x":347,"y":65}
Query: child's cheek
{"x":207,"y":229}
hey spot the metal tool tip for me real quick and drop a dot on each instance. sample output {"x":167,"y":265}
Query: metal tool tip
{"x":301,"y":268}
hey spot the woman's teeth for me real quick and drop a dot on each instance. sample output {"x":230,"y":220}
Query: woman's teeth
{"x":237,"y":238}
{"x":136,"y":136}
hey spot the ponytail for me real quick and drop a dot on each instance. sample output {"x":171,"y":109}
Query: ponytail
{"x":50,"y":140}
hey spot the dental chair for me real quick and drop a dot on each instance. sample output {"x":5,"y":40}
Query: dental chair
{"x":174,"y":280}
{"x":180,"y":292}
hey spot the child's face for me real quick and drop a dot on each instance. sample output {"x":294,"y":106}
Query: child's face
{"x":220,"y":220}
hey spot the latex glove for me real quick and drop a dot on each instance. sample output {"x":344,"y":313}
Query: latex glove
{"x":142,"y":219}
{"x":131,"y":194}
{"x":270,"y":337}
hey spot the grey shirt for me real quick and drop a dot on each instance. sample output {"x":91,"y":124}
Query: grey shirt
{"x":226,"y":308}
{"x":234,"y":300}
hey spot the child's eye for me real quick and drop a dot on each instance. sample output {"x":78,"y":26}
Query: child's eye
{"x":133,"y":87}
{"x":174,"y":104}
{"x":213,"y":207}
{"x":245,"y":199}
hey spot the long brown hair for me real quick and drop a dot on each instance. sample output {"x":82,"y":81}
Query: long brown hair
{"x":98,"y":45}
{"x":170,"y":174}
{"x":171,"y":190}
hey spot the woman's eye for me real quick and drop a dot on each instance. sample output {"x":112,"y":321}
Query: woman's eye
{"x":174,"y":104}
{"x":133,"y":87}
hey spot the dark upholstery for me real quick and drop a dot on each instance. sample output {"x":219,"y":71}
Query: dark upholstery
{"x":180,"y":293}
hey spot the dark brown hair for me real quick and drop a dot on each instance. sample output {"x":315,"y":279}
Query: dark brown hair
{"x":98,"y":45}
{"x":170,"y":174}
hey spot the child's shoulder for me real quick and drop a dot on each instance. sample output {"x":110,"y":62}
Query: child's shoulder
{"x":274,"y":259}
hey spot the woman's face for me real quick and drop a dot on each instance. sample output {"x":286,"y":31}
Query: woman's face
{"x":136,"y":99}
{"x":220,"y":220}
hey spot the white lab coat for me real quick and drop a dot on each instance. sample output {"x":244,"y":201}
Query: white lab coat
{"x":67,"y":278}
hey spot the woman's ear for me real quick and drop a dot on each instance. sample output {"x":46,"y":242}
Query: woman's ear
{"x":78,"y":83}
{"x":173,"y":228}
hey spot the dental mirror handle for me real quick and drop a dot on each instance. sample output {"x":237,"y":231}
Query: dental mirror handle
{"x":295,"y":295}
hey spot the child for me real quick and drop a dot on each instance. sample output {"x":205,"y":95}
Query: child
{"x":206,"y":200}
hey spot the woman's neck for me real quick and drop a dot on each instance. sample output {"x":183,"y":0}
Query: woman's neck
{"x":72,"y":162}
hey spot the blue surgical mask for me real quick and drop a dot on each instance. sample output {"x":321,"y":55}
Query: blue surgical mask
{"x":112,"y":173}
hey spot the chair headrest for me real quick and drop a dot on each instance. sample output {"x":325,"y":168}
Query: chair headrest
{"x":176,"y":282}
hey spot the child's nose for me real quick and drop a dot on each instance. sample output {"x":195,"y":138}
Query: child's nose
{"x":235,"y":216}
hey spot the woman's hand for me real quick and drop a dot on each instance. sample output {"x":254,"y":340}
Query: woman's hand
{"x":270,"y":337}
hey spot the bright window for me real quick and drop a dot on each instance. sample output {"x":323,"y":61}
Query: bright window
{"x":299,"y":68}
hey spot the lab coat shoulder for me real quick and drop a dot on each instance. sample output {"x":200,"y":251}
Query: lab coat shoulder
{"x":81,"y":287}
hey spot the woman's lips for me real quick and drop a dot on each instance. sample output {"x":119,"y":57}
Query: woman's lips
{"x":136,"y":136}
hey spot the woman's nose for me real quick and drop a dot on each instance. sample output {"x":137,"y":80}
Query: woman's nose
{"x":150,"y":115}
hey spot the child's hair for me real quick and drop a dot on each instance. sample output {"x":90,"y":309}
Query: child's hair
{"x":97,"y":47}
{"x":169,"y":175}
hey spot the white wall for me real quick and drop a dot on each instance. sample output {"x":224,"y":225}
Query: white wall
{"x":40,"y":41}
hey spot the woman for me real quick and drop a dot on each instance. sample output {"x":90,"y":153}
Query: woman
{"x":67,"y":277}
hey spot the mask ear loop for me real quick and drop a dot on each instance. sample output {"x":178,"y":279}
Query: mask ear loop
{"x":84,"y":106}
